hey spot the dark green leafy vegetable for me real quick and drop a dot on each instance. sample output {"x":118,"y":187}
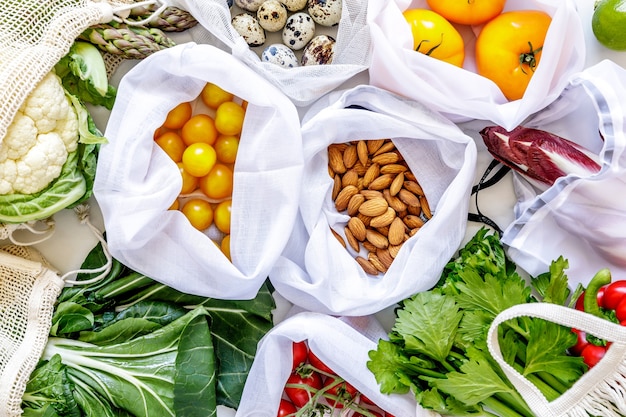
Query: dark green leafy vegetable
{"x":437,"y":347}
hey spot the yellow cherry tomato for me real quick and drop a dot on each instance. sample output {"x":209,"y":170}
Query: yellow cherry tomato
{"x":190,"y":182}
{"x":213,"y":95}
{"x":435,"y":36}
{"x":225,"y":246}
{"x":175,"y":205}
{"x":199,"y":213}
{"x":221,"y":216}
{"x":508,"y":49}
{"x":199,"y":159}
{"x":172,"y":144}
{"x":177,"y":117}
{"x":199,"y":128}
{"x":226,"y":147}
{"x":467,"y":12}
{"x":218,"y":183}
{"x":229,"y":118}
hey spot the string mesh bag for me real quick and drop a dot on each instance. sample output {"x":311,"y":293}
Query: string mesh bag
{"x":29,"y":288}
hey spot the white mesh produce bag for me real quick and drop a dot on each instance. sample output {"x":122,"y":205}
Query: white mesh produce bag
{"x":316,"y":271}
{"x":304,"y":84}
{"x":580,"y":218}
{"x":341,"y":343}
{"x":460,"y":93}
{"x":136,"y":181}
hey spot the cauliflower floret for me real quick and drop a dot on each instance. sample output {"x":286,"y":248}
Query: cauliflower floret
{"x":38,"y":141}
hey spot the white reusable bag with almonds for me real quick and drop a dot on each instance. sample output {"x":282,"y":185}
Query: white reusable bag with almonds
{"x":137,"y":182}
{"x":303,"y":84}
{"x":460,"y":93}
{"x":315,"y":270}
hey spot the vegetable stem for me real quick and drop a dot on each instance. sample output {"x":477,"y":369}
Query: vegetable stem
{"x":590,"y":300}
{"x":501,"y":409}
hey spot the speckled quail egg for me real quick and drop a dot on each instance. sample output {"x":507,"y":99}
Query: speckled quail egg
{"x":249,"y":5}
{"x":249,"y":28}
{"x":298,"y":31}
{"x":294,"y":5}
{"x":325,"y":12}
{"x":272,"y":15}
{"x":318,"y":51}
{"x":280,"y":55}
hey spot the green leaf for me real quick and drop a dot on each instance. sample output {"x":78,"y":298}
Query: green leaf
{"x":49,"y":391}
{"x":119,"y":331}
{"x":444,"y":404}
{"x":385,"y":362}
{"x":70,"y":317}
{"x":428,"y":323}
{"x":553,"y":286}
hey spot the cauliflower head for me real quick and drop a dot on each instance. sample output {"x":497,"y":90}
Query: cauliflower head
{"x":38,"y":141}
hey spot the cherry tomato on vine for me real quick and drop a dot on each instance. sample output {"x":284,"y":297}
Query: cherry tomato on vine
{"x":613,"y":294}
{"x":178,"y":116}
{"x":317,"y":363}
{"x":286,"y":408}
{"x":308,"y":386}
{"x":344,"y":392}
{"x":470,"y":12}
{"x":300,"y":353}
{"x":435,"y":36}
{"x":508,"y":49}
{"x":592,"y":354}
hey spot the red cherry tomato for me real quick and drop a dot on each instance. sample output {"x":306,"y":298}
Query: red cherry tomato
{"x":344,"y":392}
{"x":614,"y":293}
{"x":308,"y":386}
{"x":620,"y":311}
{"x":300,"y":353}
{"x":581,"y":342}
{"x":592,"y":354}
{"x":317,"y":363}
{"x":286,"y":408}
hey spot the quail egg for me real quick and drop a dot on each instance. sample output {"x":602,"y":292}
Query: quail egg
{"x":280,"y":55}
{"x":298,"y":31}
{"x":294,"y":5}
{"x":249,"y":28}
{"x":272,"y":15}
{"x":325,"y":12}
{"x":249,"y":5}
{"x":318,"y":51}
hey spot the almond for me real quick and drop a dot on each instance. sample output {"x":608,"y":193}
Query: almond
{"x":408,"y":197}
{"x":360,"y":168}
{"x":410,"y":176}
{"x":335,"y":160}
{"x":386,"y":158}
{"x":354,"y":244}
{"x":350,"y":156}
{"x":354,"y":204}
{"x":374,"y":144}
{"x":425,"y":207}
{"x":394,"y":202}
{"x":338,"y":236}
{"x":397,"y":228}
{"x":394,"y":249}
{"x":414,"y":187}
{"x":336,"y":186}
{"x":357,"y":227}
{"x":373,"y":258}
{"x":365,"y":219}
{"x":393,"y":169}
{"x":385,"y":257}
{"x":376,"y":239}
{"x":370,"y":194}
{"x":350,"y":178}
{"x":374,"y":207}
{"x":388,"y":146}
{"x":371,"y":174}
{"x":367,"y":266}
{"x":413,"y":222}
{"x":369,"y":246}
{"x":414,"y":210}
{"x":384,"y":219}
{"x":396,"y":184}
{"x":382,"y":182}
{"x":362,"y":152}
{"x":344,"y":196}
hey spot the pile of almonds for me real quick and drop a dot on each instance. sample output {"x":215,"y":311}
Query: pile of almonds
{"x":386,"y":204}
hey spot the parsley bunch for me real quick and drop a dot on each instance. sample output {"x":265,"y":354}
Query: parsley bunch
{"x":437,"y":347}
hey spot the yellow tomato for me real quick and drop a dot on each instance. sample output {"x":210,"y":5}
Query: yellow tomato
{"x":177,"y":117}
{"x":508,"y":49}
{"x":218,"y":183}
{"x":467,"y":12}
{"x":199,"y":159}
{"x":190,"y":183}
{"x":435,"y":36}
{"x":222,"y":216}
{"x":225,"y":246}
{"x":229,"y":118}
{"x":199,"y":213}
{"x":199,"y":128}
{"x":213,"y":95}
{"x":226,"y":147}
{"x":172,"y":144}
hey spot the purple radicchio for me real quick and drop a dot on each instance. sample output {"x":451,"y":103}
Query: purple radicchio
{"x":539,"y":155}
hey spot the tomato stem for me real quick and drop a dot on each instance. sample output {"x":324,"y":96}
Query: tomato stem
{"x":528,"y":58}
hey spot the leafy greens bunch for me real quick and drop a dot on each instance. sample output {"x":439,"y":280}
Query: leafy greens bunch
{"x":437,"y":347}
{"x":130,"y":346}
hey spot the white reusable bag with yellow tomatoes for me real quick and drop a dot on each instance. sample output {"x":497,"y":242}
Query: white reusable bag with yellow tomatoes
{"x":460,"y":92}
{"x":319,"y":274}
{"x":341,"y":343}
{"x":581,"y":216}
{"x":302,"y":84}
{"x":137,"y":181}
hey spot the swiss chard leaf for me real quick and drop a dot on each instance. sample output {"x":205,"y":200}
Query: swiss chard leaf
{"x":49,"y":391}
{"x":70,"y":317}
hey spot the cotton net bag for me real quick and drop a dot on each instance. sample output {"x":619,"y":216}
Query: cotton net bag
{"x":303,"y":84}
{"x":136,"y":181}
{"x":460,"y":93}
{"x":342,"y":343}
{"x":316,"y":271}
{"x":579,"y":217}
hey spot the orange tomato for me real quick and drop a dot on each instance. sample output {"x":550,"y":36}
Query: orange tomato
{"x":226,"y":147}
{"x":199,"y":213}
{"x":190,"y":183}
{"x":435,"y":36}
{"x":221,"y":216}
{"x":225,"y":246}
{"x":199,"y":128}
{"x":213,"y":95}
{"x":508,"y":49}
{"x":218,"y":183}
{"x":199,"y":159}
{"x":172,"y":144}
{"x":467,"y":12}
{"x":177,"y":117}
